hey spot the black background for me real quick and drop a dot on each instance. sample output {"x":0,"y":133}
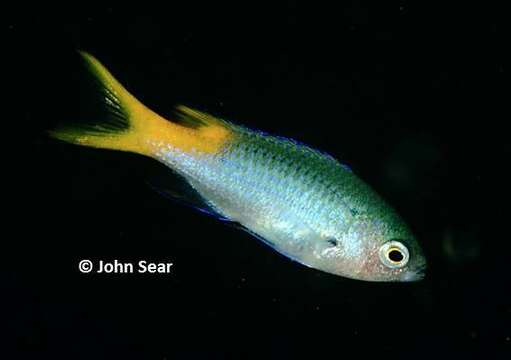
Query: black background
{"x":410,"y":95}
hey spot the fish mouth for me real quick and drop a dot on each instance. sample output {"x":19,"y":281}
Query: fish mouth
{"x":415,"y":275}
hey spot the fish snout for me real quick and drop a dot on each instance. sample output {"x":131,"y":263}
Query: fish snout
{"x":416,"y":274}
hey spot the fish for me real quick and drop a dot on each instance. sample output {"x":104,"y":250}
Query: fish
{"x":302,"y":202}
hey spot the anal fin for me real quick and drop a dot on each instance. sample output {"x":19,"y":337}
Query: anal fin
{"x":176,"y":187}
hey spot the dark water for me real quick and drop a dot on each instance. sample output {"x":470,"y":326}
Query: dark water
{"x":410,"y":95}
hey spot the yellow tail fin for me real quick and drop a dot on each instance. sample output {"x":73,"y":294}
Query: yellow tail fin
{"x":133,"y":127}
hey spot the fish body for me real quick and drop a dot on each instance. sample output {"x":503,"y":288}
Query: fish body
{"x":302,"y":202}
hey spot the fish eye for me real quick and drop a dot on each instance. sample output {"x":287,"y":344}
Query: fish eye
{"x":394,"y":254}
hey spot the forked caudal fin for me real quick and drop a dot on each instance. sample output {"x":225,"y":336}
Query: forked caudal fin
{"x":131,"y":126}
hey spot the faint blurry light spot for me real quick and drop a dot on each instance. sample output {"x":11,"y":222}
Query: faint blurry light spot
{"x":461,"y":245}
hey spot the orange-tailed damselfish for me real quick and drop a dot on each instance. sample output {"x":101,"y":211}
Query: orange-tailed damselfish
{"x":302,"y":202}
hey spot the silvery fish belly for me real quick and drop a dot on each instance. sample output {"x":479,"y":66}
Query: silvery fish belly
{"x":301,"y":202}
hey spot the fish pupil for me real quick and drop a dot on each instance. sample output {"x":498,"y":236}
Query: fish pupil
{"x":395,"y":255}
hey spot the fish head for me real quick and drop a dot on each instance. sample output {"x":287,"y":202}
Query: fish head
{"x":375,"y":248}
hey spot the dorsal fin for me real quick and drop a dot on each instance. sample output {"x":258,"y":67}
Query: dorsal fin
{"x":195,"y":119}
